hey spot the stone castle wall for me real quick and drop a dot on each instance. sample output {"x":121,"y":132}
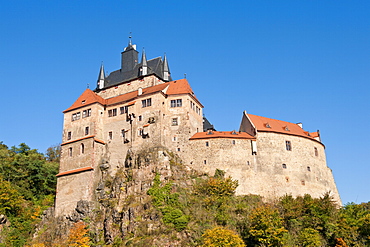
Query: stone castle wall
{"x":273,"y":171}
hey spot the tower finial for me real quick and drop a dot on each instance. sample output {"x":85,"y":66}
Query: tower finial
{"x":130,"y":39}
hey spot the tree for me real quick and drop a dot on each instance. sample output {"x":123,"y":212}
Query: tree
{"x":53,"y":153}
{"x":78,"y":235}
{"x":221,"y":237}
{"x":266,"y":227}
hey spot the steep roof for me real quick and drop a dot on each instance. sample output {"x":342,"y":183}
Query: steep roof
{"x":88,"y":97}
{"x":181,"y":86}
{"x":221,"y":134}
{"x":155,"y":66}
{"x":170,"y":88}
{"x":264,"y":124}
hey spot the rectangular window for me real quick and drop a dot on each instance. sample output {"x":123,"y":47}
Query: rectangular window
{"x":288,"y":145}
{"x":176,"y":103}
{"x":86,"y":131}
{"x":69,"y":135}
{"x":110,"y":135}
{"x":123,"y":133}
{"x":70,"y":152}
{"x":76,"y":116}
{"x":316,"y":152}
{"x":123,"y":109}
{"x":84,"y":113}
{"x":146,"y":102}
{"x":112,"y":112}
{"x":89,"y":112}
{"x":207,"y":144}
{"x":174,"y":122}
{"x":140,"y":118}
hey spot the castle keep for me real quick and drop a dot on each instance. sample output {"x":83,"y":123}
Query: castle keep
{"x":139,"y":106}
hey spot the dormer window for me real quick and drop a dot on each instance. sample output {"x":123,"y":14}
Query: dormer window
{"x":83,"y":102}
{"x":267,"y":125}
{"x":286,"y":128}
{"x":210,"y":132}
{"x":234,"y":132}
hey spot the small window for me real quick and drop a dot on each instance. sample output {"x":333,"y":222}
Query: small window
{"x":284,"y":166}
{"x":82,"y":148}
{"x":316,"y":152}
{"x":70,"y":152}
{"x":112,"y":112}
{"x":267,"y":125}
{"x":288,"y":145}
{"x":146,"y":102}
{"x":89,"y":112}
{"x":140,"y":132}
{"x":175,"y":122}
{"x":248,"y":163}
{"x":207,"y":144}
{"x":123,"y":133}
{"x":123,"y":109}
{"x":308,"y":168}
{"x":83,"y":102}
{"x":78,"y":115}
{"x":140,"y":118}
{"x":178,"y":149}
{"x":86,"y":131}
{"x":176,"y":103}
{"x":84,"y":113}
{"x":303,"y":182}
{"x":205,"y":162}
{"x":287,"y":179}
{"x":174,"y":138}
{"x":110,"y":135}
{"x":233,"y":142}
{"x":69,"y":135}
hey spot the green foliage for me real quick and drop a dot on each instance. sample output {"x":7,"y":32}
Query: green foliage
{"x":27,"y":187}
{"x":168,"y":203}
{"x":266,"y":227}
{"x":221,"y":237}
{"x":309,"y":237}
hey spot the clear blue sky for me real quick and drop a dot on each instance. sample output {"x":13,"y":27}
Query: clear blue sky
{"x":297,"y":61}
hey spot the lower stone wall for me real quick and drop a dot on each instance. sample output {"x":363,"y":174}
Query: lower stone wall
{"x":273,"y":171}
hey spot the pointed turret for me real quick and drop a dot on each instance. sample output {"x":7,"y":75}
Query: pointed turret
{"x":129,"y":57}
{"x":144,"y":65}
{"x":166,"y":70}
{"x":101,"y":77}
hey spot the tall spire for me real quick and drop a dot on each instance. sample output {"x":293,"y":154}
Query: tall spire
{"x":166,"y":70}
{"x":101,"y":77}
{"x":144,"y":64}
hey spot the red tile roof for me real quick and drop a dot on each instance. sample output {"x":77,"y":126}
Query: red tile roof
{"x":87,"y":98}
{"x":88,"y":168}
{"x":122,"y":98}
{"x":264,"y":124}
{"x":173,"y":88}
{"x":222,"y":134}
{"x":179,"y":87}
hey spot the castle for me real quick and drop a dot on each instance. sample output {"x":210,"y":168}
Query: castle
{"x":139,"y":106}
